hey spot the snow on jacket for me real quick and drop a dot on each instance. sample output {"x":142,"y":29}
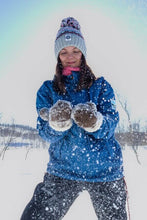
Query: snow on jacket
{"x":76,"y":154}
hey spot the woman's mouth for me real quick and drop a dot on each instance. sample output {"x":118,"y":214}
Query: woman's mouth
{"x":71,"y":63}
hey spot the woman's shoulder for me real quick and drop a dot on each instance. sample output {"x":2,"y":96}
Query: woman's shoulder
{"x":102,"y":81}
{"x":48,"y":82}
{"x":46,"y":86}
{"x":99,"y":81}
{"x":101,"y":84}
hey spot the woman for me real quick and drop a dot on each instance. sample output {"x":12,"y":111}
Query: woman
{"x":77,"y":115}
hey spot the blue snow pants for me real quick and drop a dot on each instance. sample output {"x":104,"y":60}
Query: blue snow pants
{"x":53,"y":197}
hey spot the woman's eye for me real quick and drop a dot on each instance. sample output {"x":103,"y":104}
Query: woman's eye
{"x":63,"y":53}
{"x":76,"y":51}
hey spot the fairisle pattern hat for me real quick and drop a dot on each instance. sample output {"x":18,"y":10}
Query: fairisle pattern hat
{"x":69,"y":34}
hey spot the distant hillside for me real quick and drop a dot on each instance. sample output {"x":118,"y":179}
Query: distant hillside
{"x":17,"y":131}
{"x":20,"y":135}
{"x":134,"y":138}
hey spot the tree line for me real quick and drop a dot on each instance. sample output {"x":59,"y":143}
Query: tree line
{"x":13,"y":135}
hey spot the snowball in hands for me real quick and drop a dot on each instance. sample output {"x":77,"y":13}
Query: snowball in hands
{"x":60,"y":116}
{"x":87,"y":117}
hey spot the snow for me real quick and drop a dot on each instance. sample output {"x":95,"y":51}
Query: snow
{"x":19,"y":178}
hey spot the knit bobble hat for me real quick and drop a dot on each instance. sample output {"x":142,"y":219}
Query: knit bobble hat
{"x":69,"y":34}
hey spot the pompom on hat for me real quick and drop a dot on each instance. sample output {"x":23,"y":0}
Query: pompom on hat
{"x":69,"y":34}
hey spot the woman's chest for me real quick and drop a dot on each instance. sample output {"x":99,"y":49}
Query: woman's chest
{"x":72,"y":96}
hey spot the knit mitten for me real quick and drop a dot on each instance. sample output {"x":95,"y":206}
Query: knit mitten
{"x":60,"y":116}
{"x":87,"y":117}
{"x":44,"y":114}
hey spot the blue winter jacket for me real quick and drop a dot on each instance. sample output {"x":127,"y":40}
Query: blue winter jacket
{"x":76,"y":154}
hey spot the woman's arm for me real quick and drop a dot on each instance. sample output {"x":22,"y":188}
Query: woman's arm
{"x":106,"y":105}
{"x":44,"y":100}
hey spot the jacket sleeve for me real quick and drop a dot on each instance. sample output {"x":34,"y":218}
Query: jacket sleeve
{"x":44,"y":99}
{"x":106,"y":105}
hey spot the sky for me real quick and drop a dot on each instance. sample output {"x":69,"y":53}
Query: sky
{"x":115,"y":32}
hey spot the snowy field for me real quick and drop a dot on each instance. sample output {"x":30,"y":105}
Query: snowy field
{"x":18,"y":178}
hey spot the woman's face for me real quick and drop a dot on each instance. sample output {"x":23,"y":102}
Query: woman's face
{"x":70,"y":56}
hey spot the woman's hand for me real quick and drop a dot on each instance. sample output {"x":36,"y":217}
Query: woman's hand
{"x":60,"y":116}
{"x":44,"y":114}
{"x":87,"y":117}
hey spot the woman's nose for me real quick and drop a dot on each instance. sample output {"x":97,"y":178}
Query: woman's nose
{"x":70,"y":55}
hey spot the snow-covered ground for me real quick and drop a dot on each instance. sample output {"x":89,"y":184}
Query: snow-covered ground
{"x":18,"y":178}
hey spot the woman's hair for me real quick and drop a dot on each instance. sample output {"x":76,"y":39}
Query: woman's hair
{"x":86,"y":77}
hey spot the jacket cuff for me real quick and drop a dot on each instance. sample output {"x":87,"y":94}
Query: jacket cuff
{"x":60,"y":126}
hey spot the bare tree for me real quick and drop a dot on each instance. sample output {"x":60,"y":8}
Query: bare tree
{"x":7,"y":136}
{"x":132,"y":136}
{"x":0,"y":115}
